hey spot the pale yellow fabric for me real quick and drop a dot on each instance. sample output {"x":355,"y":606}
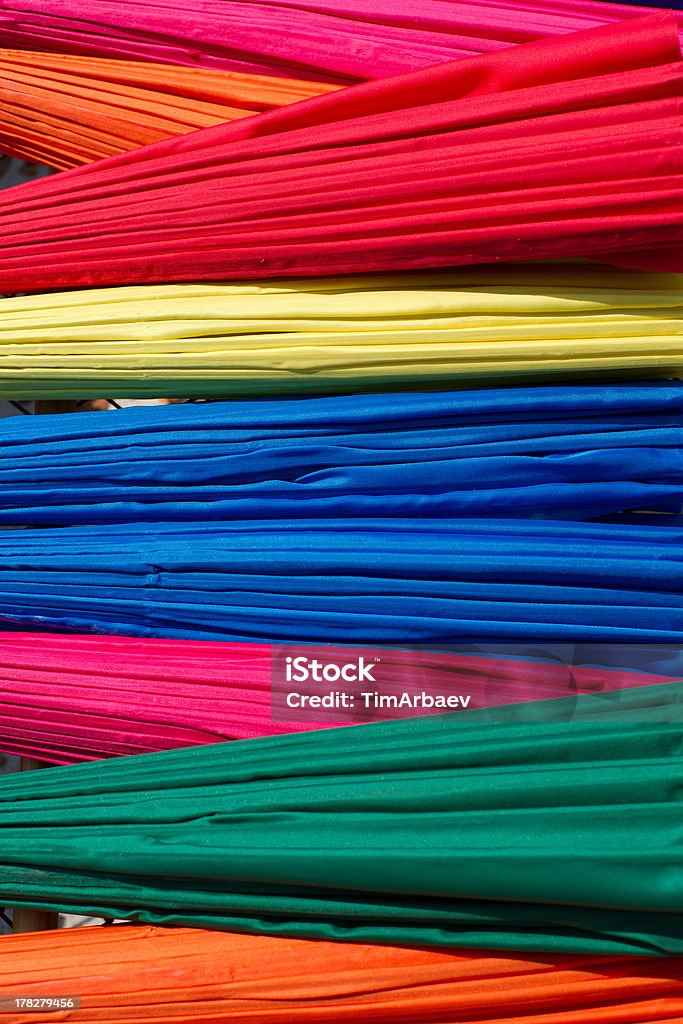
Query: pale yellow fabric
{"x":331,"y":334}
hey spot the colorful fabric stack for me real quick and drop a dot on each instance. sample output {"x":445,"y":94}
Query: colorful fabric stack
{"x":501,"y":184}
{"x":429,"y":330}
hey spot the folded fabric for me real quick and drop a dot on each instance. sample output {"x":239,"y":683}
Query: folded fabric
{"x":419,"y":329}
{"x":64,"y":111}
{"x":564,"y":147}
{"x":438,"y":831}
{"x":126,"y":973}
{"x":332,"y":40}
{"x":79,"y":698}
{"x":553,"y":452}
{"x":366,"y":581}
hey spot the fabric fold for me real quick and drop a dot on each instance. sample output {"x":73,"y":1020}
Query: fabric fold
{"x":561,"y":148}
{"x":435,"y":831}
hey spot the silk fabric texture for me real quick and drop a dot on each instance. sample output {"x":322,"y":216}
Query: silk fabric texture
{"x":438,"y":831}
{"x":557,"y":452}
{"x":125,"y":973}
{"x":564,"y":147}
{"x":78,"y":698}
{"x":420,"y":329}
{"x":333,"y":40}
{"x":64,"y":110}
{"x":360,"y":581}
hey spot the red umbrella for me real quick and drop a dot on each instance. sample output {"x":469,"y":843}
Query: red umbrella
{"x":564,"y":147}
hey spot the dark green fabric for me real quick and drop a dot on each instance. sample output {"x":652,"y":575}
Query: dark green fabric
{"x":438,"y":831}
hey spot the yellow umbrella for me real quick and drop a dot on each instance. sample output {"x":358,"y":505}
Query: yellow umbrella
{"x":419,"y":329}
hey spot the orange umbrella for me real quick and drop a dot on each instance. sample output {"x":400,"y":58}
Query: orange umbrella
{"x":127,"y":973}
{"x":65,"y":110}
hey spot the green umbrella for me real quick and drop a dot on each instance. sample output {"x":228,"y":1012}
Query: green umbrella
{"x":528,"y":834}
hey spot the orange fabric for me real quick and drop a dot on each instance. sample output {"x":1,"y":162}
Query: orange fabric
{"x":145,"y":973}
{"x":65,"y":111}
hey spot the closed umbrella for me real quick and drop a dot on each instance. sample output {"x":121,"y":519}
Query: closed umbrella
{"x":437,"y":831}
{"x":558,"y":452}
{"x":561,"y":148}
{"x":402,"y":331}
{"x":125,"y":973}
{"x":331,"y":40}
{"x":79,"y":698}
{"x":350,"y":581}
{"x":64,"y":110}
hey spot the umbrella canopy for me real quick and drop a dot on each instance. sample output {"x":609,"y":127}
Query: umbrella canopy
{"x":438,"y":831}
{"x":563,"y":147}
{"x":558,"y":452}
{"x":64,"y":110}
{"x":360,"y":581}
{"x":420,"y":329}
{"x":190,"y":974}
{"x":332,"y":40}
{"x":79,"y":698}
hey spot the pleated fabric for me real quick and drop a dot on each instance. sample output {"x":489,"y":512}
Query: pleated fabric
{"x":421,"y":329}
{"x":564,"y":147}
{"x":137,"y":973}
{"x":435,"y":831}
{"x":65,"y":699}
{"x":331,"y":40}
{"x":552,"y":452}
{"x":64,"y":110}
{"x":366,"y":581}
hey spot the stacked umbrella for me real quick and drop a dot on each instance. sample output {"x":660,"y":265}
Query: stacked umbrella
{"x":326,"y":40}
{"x":429,"y":330}
{"x":79,"y":698}
{"x":238,"y":978}
{"x":509,"y":217}
{"x":565,"y":153}
{"x":424,"y":832}
{"x":65,"y":110}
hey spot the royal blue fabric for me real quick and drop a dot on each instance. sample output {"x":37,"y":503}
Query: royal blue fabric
{"x":343,"y":581}
{"x":672,"y":5}
{"x":575,"y":452}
